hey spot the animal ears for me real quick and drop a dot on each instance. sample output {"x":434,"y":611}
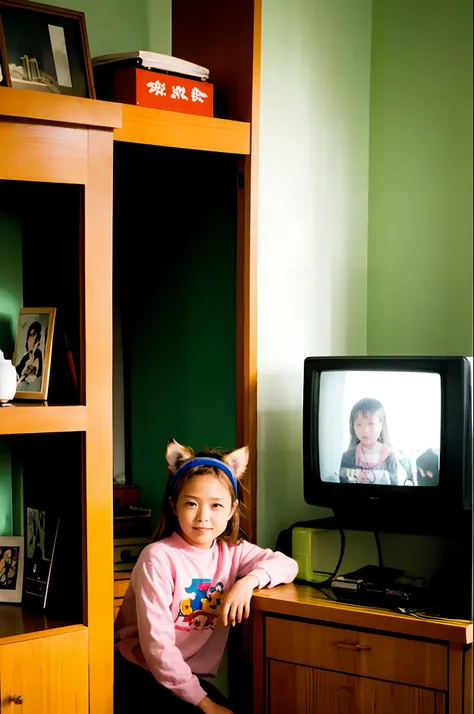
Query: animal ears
{"x":238,"y":460}
{"x":177,"y":454}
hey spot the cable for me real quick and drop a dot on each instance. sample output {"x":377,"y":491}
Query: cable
{"x":327,"y":583}
{"x":379,"y":550}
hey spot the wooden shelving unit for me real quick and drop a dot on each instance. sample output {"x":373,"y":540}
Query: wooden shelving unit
{"x":141,"y":125}
{"x":58,"y":140}
{"x":53,"y":141}
{"x":16,"y":625}
{"x":41,"y":419}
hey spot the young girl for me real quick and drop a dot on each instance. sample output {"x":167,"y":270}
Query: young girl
{"x":188,"y":587}
{"x":370,"y":457}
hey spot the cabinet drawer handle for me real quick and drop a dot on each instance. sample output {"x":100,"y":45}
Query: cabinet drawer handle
{"x":15,"y":700}
{"x":349,"y":646}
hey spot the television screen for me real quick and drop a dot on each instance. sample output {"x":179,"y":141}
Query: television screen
{"x":379,"y":427}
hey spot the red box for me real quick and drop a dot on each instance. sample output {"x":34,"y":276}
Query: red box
{"x":146,"y":88}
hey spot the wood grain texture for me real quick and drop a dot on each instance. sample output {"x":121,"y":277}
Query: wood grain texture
{"x":49,"y":673}
{"x":60,"y":109}
{"x":468,"y":677}
{"x":456,"y":694}
{"x":34,"y":152}
{"x":142,"y":125}
{"x":98,"y":398}
{"x":301,"y":690}
{"x":41,"y":419}
{"x":258,"y":657}
{"x":219,"y":35}
{"x":424,"y":664}
{"x":305,"y":602}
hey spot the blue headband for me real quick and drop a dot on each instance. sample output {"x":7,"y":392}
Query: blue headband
{"x":206,"y":461}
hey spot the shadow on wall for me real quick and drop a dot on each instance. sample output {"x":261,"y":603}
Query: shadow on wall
{"x":6,"y":336}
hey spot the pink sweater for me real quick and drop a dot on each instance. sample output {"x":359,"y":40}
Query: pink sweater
{"x":168,"y":622}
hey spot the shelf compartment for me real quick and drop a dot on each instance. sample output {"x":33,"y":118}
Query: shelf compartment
{"x":18,"y":624}
{"x":142,"y":125}
{"x":41,"y":419}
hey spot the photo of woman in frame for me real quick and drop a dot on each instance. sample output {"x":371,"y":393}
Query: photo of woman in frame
{"x":32,"y":356}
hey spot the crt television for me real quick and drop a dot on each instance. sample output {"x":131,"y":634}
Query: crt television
{"x":387,"y":441}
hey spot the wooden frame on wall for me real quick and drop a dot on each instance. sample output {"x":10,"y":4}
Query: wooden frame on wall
{"x":38,"y":55}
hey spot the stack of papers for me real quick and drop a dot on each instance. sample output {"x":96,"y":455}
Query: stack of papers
{"x":153,"y":60}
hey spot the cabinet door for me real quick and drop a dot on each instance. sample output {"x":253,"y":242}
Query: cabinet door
{"x":303,"y":690}
{"x":47,"y":675}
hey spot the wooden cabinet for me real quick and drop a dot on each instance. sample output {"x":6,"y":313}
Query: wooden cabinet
{"x":303,"y":690}
{"x":315,"y":656}
{"x":45,"y":675}
{"x":58,"y":151}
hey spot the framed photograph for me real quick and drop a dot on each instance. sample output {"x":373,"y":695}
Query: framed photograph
{"x":45,"y":48}
{"x":32,"y":355}
{"x":11,"y":568}
{"x":41,"y":535}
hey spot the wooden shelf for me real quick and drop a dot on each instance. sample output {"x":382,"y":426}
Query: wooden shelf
{"x":60,"y":109}
{"x":41,"y":419}
{"x":307,"y":602}
{"x":17,"y":624}
{"x":182,"y":131}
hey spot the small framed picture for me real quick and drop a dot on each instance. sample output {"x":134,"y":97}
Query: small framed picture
{"x":45,"y":48}
{"x":11,"y":568}
{"x":32,"y":355}
{"x":41,"y":536}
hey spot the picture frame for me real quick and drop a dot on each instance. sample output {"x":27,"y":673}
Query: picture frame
{"x":45,"y":49}
{"x":12,"y":558}
{"x":41,"y":530}
{"x":33,"y":349}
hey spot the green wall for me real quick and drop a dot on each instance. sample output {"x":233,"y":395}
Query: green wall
{"x":420,"y":269}
{"x":175,"y":276}
{"x":112,"y":25}
{"x":312,"y":233}
{"x":11,"y":299}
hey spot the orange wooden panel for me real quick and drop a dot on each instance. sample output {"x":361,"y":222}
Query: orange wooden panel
{"x":120,"y":588}
{"x":456,"y":694}
{"x":50,"y":675}
{"x":398,"y":659}
{"x":98,"y":396}
{"x":306,"y":602}
{"x":219,"y":35}
{"x":26,"y":104}
{"x":301,"y":690}
{"x":33,"y":152}
{"x":41,"y":419}
{"x":468,"y":680}
{"x":142,"y":125}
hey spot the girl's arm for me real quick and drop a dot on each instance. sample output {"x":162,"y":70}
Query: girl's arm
{"x":153,"y":588}
{"x":269,"y":568}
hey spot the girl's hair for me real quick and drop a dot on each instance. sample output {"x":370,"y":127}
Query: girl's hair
{"x":36,"y":328}
{"x":368,"y":406}
{"x":168,"y":523}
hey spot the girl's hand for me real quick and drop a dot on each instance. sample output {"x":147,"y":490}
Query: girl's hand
{"x":210,"y":707}
{"x":237,"y":603}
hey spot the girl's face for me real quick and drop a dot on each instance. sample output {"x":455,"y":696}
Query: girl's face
{"x":367,"y":428}
{"x":203,"y":509}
